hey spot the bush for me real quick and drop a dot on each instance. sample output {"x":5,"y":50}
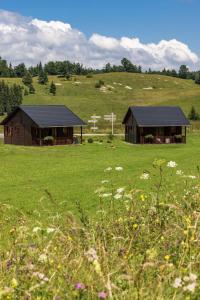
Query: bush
{"x":99,"y":84}
{"x":90,"y":141}
{"x":149,"y":138}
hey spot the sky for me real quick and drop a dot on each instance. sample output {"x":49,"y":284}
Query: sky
{"x":153,"y":33}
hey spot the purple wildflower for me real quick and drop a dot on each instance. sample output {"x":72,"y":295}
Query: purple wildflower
{"x":102,"y":295}
{"x":79,"y":286}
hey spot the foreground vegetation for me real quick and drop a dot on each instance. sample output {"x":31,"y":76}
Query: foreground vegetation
{"x":141,"y":244}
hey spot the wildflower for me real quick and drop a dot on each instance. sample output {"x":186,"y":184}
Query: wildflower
{"x":172,"y":164}
{"x":36,"y":229}
{"x":108,"y":169}
{"x":179,"y":172}
{"x":97,"y":266}
{"x":42,"y":258}
{"x":118,"y":169}
{"x":128,"y":196}
{"x":193,"y":277}
{"x":91,"y":255}
{"x":135,"y":226}
{"x":190,"y":287}
{"x":118,"y":196}
{"x":145,"y":176}
{"x":120,"y":190}
{"x":104,"y":181}
{"x":79,"y":286}
{"x":177,"y":283}
{"x":50,"y":230}
{"x":106,"y":195}
{"x":102,"y":295}
{"x":167,"y":257}
{"x":142,"y":197}
{"x":192,"y":177}
{"x":14,"y":283}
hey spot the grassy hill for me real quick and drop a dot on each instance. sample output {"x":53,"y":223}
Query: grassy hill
{"x":122,"y":90}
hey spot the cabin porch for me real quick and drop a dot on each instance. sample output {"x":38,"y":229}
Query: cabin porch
{"x":155,"y":135}
{"x":53,"y":136}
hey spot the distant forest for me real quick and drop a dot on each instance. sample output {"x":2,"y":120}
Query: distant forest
{"x":67,"y":68}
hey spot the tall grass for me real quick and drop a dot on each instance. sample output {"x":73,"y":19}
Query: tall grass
{"x":139,"y":245}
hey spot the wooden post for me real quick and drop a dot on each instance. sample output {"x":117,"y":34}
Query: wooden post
{"x":185,"y":133}
{"x":81,"y":134}
{"x":40,"y":137}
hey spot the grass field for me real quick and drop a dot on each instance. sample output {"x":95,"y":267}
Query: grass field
{"x":73,"y":173}
{"x":85,"y":100}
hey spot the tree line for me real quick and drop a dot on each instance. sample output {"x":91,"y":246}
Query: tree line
{"x":10,"y":97}
{"x":67,"y":68}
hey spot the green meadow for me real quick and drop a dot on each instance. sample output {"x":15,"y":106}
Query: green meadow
{"x":31,"y":176}
{"x":121,"y":90}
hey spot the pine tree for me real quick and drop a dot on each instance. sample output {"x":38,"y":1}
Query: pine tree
{"x":43,"y":78}
{"x":197,"y":78}
{"x":193,"y":114}
{"x":52,"y":88}
{"x":31,"y":89}
{"x":27,"y":79}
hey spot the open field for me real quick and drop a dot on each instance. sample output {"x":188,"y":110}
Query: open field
{"x":72,"y":173}
{"x":84,"y":99}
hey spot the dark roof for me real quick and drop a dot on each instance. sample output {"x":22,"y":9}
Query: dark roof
{"x":49,"y":116}
{"x":149,"y":116}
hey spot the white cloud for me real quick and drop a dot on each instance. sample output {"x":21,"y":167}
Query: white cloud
{"x":30,"y":40}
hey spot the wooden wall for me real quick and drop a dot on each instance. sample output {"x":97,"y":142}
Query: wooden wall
{"x":19,"y":130}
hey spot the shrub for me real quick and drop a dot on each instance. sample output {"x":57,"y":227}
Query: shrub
{"x":193,"y":114}
{"x":149,"y":138}
{"x":89,"y":75}
{"x":99,"y":84}
{"x":90,"y":141}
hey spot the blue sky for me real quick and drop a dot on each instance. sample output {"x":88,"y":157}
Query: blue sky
{"x":150,"y":20}
{"x":109,"y":30}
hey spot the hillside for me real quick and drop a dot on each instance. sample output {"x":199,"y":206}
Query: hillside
{"x":123,"y":89}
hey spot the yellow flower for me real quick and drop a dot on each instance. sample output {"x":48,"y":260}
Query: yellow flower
{"x":135,"y":226}
{"x":167,"y":257}
{"x":162,"y":238}
{"x":142,"y":197}
{"x":14,"y":283}
{"x":97,"y":266}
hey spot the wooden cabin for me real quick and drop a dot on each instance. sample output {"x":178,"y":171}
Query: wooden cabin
{"x":155,"y":125}
{"x":39,"y":125}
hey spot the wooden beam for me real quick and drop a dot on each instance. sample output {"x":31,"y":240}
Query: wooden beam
{"x":81,"y":134}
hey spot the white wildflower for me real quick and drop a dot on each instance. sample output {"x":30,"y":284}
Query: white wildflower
{"x":117,"y":196}
{"x":104,"y":181}
{"x":145,"y":176}
{"x":192,"y":177}
{"x":118,"y":169}
{"x":193,"y":277}
{"x":172,"y":164}
{"x":91,"y":255}
{"x":42,"y":258}
{"x":128,"y":196}
{"x":120,"y":190}
{"x":36,"y":229}
{"x":190,"y":287}
{"x":106,"y":195}
{"x":177,"y":283}
{"x":50,"y":230}
{"x":108,"y":169}
{"x":179,"y":172}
